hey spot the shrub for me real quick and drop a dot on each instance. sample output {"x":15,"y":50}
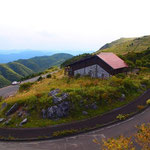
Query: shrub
{"x":25,"y":86}
{"x":40,"y":78}
{"x":129,"y":85}
{"x":77,"y":76}
{"x":64,"y":132}
{"x":148,"y":102}
{"x":49,"y":76}
{"x":122,"y":116}
{"x":121,"y":75}
{"x":146,"y":82}
{"x":140,"y":107}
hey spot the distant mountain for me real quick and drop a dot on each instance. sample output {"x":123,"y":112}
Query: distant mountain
{"x":16,"y":70}
{"x":5,"y":58}
{"x":13,"y":55}
{"x":125,"y":45}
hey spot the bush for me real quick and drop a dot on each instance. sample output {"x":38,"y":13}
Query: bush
{"x":25,"y":86}
{"x":49,"y":76}
{"x":65,"y":132}
{"x":77,"y":76}
{"x":148,"y":102}
{"x":122,"y":116}
{"x":129,"y":85}
{"x":40,"y":78}
{"x":140,"y":107}
{"x":121,"y":75}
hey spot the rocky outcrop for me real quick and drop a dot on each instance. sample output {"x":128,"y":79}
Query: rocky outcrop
{"x":60,"y":106}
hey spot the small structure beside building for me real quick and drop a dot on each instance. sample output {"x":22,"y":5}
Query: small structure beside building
{"x":102,"y":65}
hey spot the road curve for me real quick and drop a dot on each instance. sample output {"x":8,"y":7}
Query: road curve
{"x":82,"y":141}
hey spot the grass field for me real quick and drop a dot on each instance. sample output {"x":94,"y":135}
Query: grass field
{"x":105,"y":93}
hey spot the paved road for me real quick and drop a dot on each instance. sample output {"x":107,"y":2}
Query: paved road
{"x":82,"y":141}
{"x":12,"y":89}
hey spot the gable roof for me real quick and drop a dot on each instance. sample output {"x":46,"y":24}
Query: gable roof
{"x":112,"y":60}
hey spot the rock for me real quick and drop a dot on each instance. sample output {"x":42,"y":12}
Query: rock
{"x":4,"y":105}
{"x":57,"y":99}
{"x":64,"y":96}
{"x":50,"y":113}
{"x":23,"y":122}
{"x":12,"y":109}
{"x":94,"y":106}
{"x":54,"y":92}
{"x":1,"y":120}
{"x":84,"y":112}
{"x":123,"y":97}
{"x":7,"y":121}
{"x":58,"y":111}
{"x":43,"y":113}
{"x":20,"y":114}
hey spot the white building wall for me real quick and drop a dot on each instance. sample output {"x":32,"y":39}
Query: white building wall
{"x":93,"y":71}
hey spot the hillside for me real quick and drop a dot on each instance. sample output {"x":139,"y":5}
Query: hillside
{"x":37,"y":64}
{"x":125,"y":45}
{"x":18,"y":69}
{"x":59,"y":99}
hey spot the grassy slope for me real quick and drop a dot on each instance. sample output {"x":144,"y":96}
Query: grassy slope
{"x":8,"y":73}
{"x":41,"y":63}
{"x":3,"y":81}
{"x":125,"y":45}
{"x":20,"y":69}
{"x":104,"y":92}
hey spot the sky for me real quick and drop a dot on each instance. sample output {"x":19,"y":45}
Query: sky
{"x":72,"y":25}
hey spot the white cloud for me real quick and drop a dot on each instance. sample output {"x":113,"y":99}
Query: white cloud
{"x":70,"y":24}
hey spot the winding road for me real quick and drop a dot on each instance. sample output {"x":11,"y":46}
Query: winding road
{"x":12,"y":89}
{"x":80,"y":141}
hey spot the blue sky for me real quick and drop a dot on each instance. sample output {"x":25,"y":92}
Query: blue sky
{"x":70,"y":24}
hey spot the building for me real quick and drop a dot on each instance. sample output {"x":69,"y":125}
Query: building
{"x":102,"y":65}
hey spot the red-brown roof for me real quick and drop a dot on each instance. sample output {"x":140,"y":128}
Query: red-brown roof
{"x":112,"y":60}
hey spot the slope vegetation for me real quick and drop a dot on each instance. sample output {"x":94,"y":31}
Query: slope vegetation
{"x":20,"y":69}
{"x":37,"y":64}
{"x":125,"y":45}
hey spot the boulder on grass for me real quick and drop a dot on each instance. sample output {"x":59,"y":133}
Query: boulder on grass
{"x":12,"y":109}
{"x":54,"y":92}
{"x":84,"y":112}
{"x":94,"y":106}
{"x":23,"y":122}
{"x":1,"y":120}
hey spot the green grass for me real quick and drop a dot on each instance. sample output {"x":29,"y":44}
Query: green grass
{"x":104,"y":92}
{"x":125,"y":45}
